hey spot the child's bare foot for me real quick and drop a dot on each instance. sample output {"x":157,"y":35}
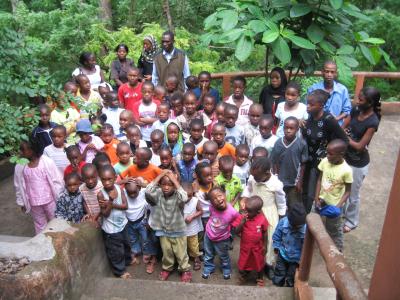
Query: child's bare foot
{"x":135,"y":260}
{"x":197,"y":264}
{"x":260,"y":282}
{"x":346,"y":229}
{"x":150,"y":265}
{"x":126,"y":275}
{"x":164,"y":275}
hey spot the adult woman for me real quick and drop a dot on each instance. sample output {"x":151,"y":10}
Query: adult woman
{"x":145,"y":62}
{"x":120,"y":66}
{"x":89,"y":68}
{"x":274,"y":93}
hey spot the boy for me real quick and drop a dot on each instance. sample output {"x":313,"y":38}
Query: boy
{"x":90,"y":99}
{"x":113,"y":204}
{"x":288,"y":157}
{"x":242,"y":167}
{"x":192,"y":82}
{"x":125,"y":119}
{"x":75,"y":158}
{"x":171,"y":86}
{"x":229,"y":182}
{"x":56,"y":151}
{"x":167,"y":161}
{"x":41,"y":133}
{"x":124,"y":156}
{"x":131,"y":92}
{"x":112,"y":110}
{"x":176,"y":102}
{"x":110,"y":143}
{"x":333,"y":189}
{"x":159,"y":93}
{"x":89,"y":143}
{"x":259,"y":152}
{"x":157,"y":140}
{"x":266,"y":138}
{"x":239,"y":100}
{"x":218,"y":135}
{"x":167,"y":198}
{"x":251,"y":128}
{"x":204,"y":87}
{"x":287,"y":242}
{"x":196,"y":129}
{"x":163,"y":113}
{"x":187,"y":164}
{"x":234,"y":133}
{"x":89,"y":189}
{"x":210,"y":152}
{"x":134,"y":137}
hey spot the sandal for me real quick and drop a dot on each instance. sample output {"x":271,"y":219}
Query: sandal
{"x":260,"y":282}
{"x":197,"y":264}
{"x":164,"y":275}
{"x":126,"y":275}
{"x":347,"y":229}
{"x":186,"y":277}
{"x":150,"y":265}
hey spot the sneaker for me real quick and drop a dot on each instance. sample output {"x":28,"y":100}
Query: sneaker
{"x":205,"y":276}
{"x":227,"y":276}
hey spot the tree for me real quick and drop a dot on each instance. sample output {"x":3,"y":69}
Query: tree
{"x":106,"y":12}
{"x":167,"y":13}
{"x":299,"y":35}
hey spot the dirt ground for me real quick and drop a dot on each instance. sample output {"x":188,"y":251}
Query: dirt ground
{"x":360,"y":245}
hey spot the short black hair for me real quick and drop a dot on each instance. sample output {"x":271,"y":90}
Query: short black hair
{"x":196,"y":122}
{"x":208,"y":74}
{"x":106,"y":127}
{"x":259,"y":149}
{"x":262,"y":163}
{"x":122,"y":46}
{"x":59,"y":127}
{"x":101,"y":157}
{"x":200,"y":166}
{"x":291,"y":118}
{"x":147,"y":151}
{"x":107,"y":168}
{"x":156,"y":132}
{"x":71,"y":149}
{"x":72,"y":175}
{"x":226,"y":159}
{"x":87,"y":167}
{"x":294,"y":85}
{"x":319,"y":95}
{"x":243,"y":147}
{"x":239,"y":78}
{"x":231,"y":108}
{"x":189,"y":145}
{"x":122,"y":144}
{"x":170,"y":33}
{"x":84,"y":57}
{"x":149,"y":83}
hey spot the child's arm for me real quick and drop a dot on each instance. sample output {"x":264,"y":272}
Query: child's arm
{"x":280,"y":199}
{"x":87,"y":148}
{"x":277,"y":237}
{"x":318,"y":191}
{"x":299,"y":183}
{"x":198,"y":213}
{"x":105,"y":205}
{"x":147,"y":120}
{"x":239,"y":228}
{"x":124,"y":204}
{"x":152,"y":191}
{"x":236,"y":199}
{"x":345,"y":196}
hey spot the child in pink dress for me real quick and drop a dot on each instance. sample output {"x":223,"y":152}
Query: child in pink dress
{"x":37,"y":185}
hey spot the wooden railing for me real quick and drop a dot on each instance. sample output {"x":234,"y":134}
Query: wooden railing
{"x":360,"y":77}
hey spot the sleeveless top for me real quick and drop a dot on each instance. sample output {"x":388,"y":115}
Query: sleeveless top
{"x":95,"y":78}
{"x":117,"y":220}
{"x":195,"y":226}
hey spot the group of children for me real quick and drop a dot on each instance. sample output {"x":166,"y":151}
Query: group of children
{"x":182,"y":176}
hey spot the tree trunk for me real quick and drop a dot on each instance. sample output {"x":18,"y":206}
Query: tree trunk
{"x":167,"y":13}
{"x":106,"y":12}
{"x":14,"y":4}
{"x":266,"y":64}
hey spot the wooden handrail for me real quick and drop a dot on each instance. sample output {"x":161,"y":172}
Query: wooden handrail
{"x":346,"y":283}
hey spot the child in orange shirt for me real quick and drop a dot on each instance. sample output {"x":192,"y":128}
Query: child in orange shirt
{"x":110,"y":142}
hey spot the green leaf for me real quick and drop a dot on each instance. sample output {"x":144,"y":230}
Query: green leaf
{"x":244,"y":48}
{"x":345,"y":50}
{"x":336,"y":4}
{"x":361,"y":35}
{"x":355,"y":12}
{"x":387,"y":59}
{"x":269,"y":36}
{"x":229,"y":19}
{"x":299,"y":10}
{"x":279,"y":16}
{"x":344,"y":72}
{"x":307,"y":55}
{"x":280,"y":3}
{"x":271,"y":25}
{"x":281,"y":50}
{"x":328,"y":47}
{"x":301,"y":42}
{"x":257,"y":26}
{"x":211,"y":21}
{"x":315,"y":33}
{"x":255,"y":11}
{"x":376,"y":54}
{"x":367,"y":53}
{"x":374,"y":41}
{"x":349,"y":61}
{"x":231,"y":35}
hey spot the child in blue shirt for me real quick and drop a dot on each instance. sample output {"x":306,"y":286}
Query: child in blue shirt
{"x":188,"y":163}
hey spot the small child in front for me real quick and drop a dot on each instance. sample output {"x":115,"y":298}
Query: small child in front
{"x":242,"y":167}
{"x":89,"y":143}
{"x":333,"y":189}
{"x":124,"y":158}
{"x":89,"y":189}
{"x":288,"y":241}
{"x":75,"y":158}
{"x":113,"y":204}
{"x":234,"y":132}
{"x":168,"y":198}
{"x":266,"y":138}
{"x":218,"y":232}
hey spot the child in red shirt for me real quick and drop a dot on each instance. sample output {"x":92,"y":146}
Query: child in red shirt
{"x":110,"y":142}
{"x":75,"y":158}
{"x":131,"y":92}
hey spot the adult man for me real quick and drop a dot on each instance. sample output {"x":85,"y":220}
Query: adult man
{"x":171,"y":61}
{"x":338,"y":104}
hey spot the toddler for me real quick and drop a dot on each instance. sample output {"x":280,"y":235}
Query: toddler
{"x":124,"y":158}
{"x":163,"y":114}
{"x":239,"y":100}
{"x":41,"y":133}
{"x":112,"y":110}
{"x":157,"y":140}
{"x":75,"y":159}
{"x":234,"y":132}
{"x":242,"y":166}
{"x":131,"y":92}
{"x":251,"y":128}
{"x":134,"y":137}
{"x":56,"y":151}
{"x":266,"y":138}
{"x":89,"y":144}
{"x":196,"y":129}
{"x":110,"y":142}
{"x":89,"y":189}
{"x":125,"y":120}
{"x":187,"y":164}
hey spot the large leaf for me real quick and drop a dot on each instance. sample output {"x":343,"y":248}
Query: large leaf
{"x":327,"y":46}
{"x":269,"y":36}
{"x":345,"y":50}
{"x":376,"y":54}
{"x":315,"y":33}
{"x":349,"y":61}
{"x":299,"y":10}
{"x":255,"y":11}
{"x":301,"y":42}
{"x":271,"y":25}
{"x":280,"y":3}
{"x":257,"y":26}
{"x":244,"y":48}
{"x":307,"y":55}
{"x":279,"y":16}
{"x":355,"y":12}
{"x":210,"y":21}
{"x":367,"y":53}
{"x":229,"y":19}
{"x":336,"y":4}
{"x":344,"y":72}
{"x":387,"y":59}
{"x":374,"y":41}
{"x":281,"y":50}
{"x":231,"y":35}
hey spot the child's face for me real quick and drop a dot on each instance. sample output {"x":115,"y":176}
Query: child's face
{"x":218,"y":200}
{"x":210,"y":153}
{"x":196,"y":132}
{"x":204,"y":81}
{"x":260,"y":176}
{"x":112,"y":102}
{"x":220,"y":111}
{"x":218,"y":135}
{"x":313,"y":106}
{"x":103,"y":91}
{"x":124,"y":154}
{"x":132,"y":190}
{"x":121,"y":53}
{"x":265,"y":128}
{"x":133,"y":135}
{"x":190,"y":104}
{"x":45,"y":116}
{"x":26,"y":152}
{"x":107,"y":179}
{"x":133,"y":77}
{"x":177,"y":107}
{"x":165,"y":158}
{"x":238,"y":89}
{"x":188,"y":154}
{"x":159,"y":94}
{"x":156,"y":141}
{"x":209,"y":105}
{"x":73,"y":185}
{"x":163,"y":113}
{"x":251,"y":211}
{"x":173,"y":133}
{"x":230,"y":118}
{"x":275,"y":79}
{"x":147,"y":93}
{"x":167,"y":186}
{"x":90,"y":178}
{"x":206,"y":176}
{"x":58,"y":137}
{"x":85,"y":137}
{"x":90,"y":62}
{"x":255,"y":115}
{"x":334,"y":154}
{"x":84,"y":84}
{"x":290,"y":129}
{"x":226,"y":170}
{"x":124,"y":120}
{"x":291,"y":96}
{"x":74,"y":158}
{"x":142,"y":160}
{"x":171,"y":86}
{"x":242,"y":157}
{"x":107,"y":136}
{"x":71,"y":88}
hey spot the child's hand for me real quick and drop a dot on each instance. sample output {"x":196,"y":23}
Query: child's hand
{"x":318,"y":202}
{"x":90,"y":147}
{"x":299,"y":186}
{"x":188,"y":220}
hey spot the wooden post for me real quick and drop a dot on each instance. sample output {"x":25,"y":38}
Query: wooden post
{"x":359,"y":85}
{"x":226,"y":86}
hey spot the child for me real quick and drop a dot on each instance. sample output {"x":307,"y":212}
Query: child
{"x":157,"y":140}
{"x":160,"y":93}
{"x":288,"y":241}
{"x":124,"y":158}
{"x":204,"y":87}
{"x":192,"y":213}
{"x":210,"y":153}
{"x":259,"y":152}
{"x":251,"y":129}
{"x":85,"y":91}
{"x":234,"y":132}
{"x":103,"y":89}
{"x":125,"y":119}
{"x":266,"y":138}
{"x":110,"y":143}
{"x":218,"y":231}
{"x":56,"y":151}
{"x":191,"y":83}
{"x":242,"y":167}
{"x":333,"y":189}
{"x":239,"y":99}
{"x":218,"y":136}
{"x":142,"y":167}
{"x":89,"y":189}
{"x":145,"y":111}
{"x":131,"y":92}
{"x":187,"y":164}
{"x":112,"y":110}
{"x":167,"y":197}
{"x":37,"y":184}
{"x":196,"y":129}
{"x":176,"y":102}
{"x":65,"y":111}
{"x":229,"y":182}
{"x":69,"y":205}
{"x":267,"y":186}
{"x":202,"y":185}
{"x":41,"y":133}
{"x":189,"y":114}
{"x":291,"y":107}
{"x":75,"y":158}
{"x":134,"y":137}
{"x":220,"y":112}
{"x":171,"y":86}
{"x":209,"y":106}
{"x":100,"y":160}
{"x":163,"y":113}
{"x":173,"y":139}
{"x":113,"y":204}
{"x":288,"y":157}
{"x":167,"y":161}
{"x":253,"y":237}
{"x":89,"y":144}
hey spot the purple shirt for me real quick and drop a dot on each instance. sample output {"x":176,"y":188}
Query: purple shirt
{"x":219,"y":224}
{"x":97,"y":142}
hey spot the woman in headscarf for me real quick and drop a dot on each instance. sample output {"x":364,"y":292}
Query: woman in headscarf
{"x":120,"y":66}
{"x":145,"y":62}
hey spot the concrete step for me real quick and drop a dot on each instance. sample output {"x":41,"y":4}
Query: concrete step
{"x":13,"y":239}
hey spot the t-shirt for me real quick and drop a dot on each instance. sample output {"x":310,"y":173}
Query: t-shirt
{"x":232,"y":187}
{"x":227,"y":149}
{"x":186,"y":170}
{"x":242,"y":172}
{"x":184,"y":121}
{"x":299,"y":113}
{"x":136,"y":206}
{"x":160,"y":125}
{"x":357,"y":130}
{"x":147,"y":111}
{"x":90,"y":197}
{"x":334,"y":178}
{"x":112,"y":117}
{"x":194,"y":227}
{"x":66,"y":117}
{"x":268,"y":143}
{"x":250,"y":132}
{"x":68,"y":169}
{"x":128,"y":95}
{"x":234,"y":135}
{"x":219,"y":224}
{"x":97,"y":142}
{"x":212,"y":91}
{"x":289,"y":158}
{"x":120,"y":168}
{"x":243,"y":117}
{"x":58,"y":155}
{"x":155,"y":158}
{"x":149,"y":173}
{"x":111,"y":150}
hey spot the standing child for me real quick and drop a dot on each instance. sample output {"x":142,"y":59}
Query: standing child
{"x":234,"y":132}
{"x":75,"y":159}
{"x":160,"y":93}
{"x":167,"y":161}
{"x":163,"y":113}
{"x":288,"y":157}
{"x":209,"y":106}
{"x":168,"y":198}
{"x":87,"y":95}
{"x":251,"y":128}
{"x":242,"y":167}
{"x":291,"y":107}
{"x":69,"y":204}
{"x":288,"y":241}
{"x":113,"y":204}
{"x":131,"y":92}
{"x":204,"y":87}
{"x":187,"y":164}
{"x":157,"y":140}
{"x":239,"y":99}
{"x":266,"y":138}
{"x":196,"y":129}
{"x":110,"y":142}
{"x":134,"y":137}
{"x":125,"y":120}
{"x":218,"y":136}
{"x":37,"y":185}
{"x":253,"y":238}
{"x":112,"y":110}
{"x":173,"y":138}
{"x":210,"y":153}
{"x":41,"y":133}
{"x":89,"y":189}
{"x":333,"y":189}
{"x":89,"y":143}
{"x":267,"y":186}
{"x":176,"y":102}
{"x":56,"y":151}
{"x":218,"y":232}
{"x":124,"y":158}
{"x":171,"y":86}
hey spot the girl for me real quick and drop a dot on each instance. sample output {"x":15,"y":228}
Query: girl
{"x":364,"y":122}
{"x":173,"y":138}
{"x":209,"y":105}
{"x":167,"y":161}
{"x":290,"y":108}
{"x":120,"y":66}
{"x":41,"y":133}
{"x":37,"y":185}
{"x":89,"y":68}
{"x":145,"y":62}
{"x":270,"y":189}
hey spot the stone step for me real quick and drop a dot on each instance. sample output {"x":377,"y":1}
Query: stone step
{"x":13,"y":239}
